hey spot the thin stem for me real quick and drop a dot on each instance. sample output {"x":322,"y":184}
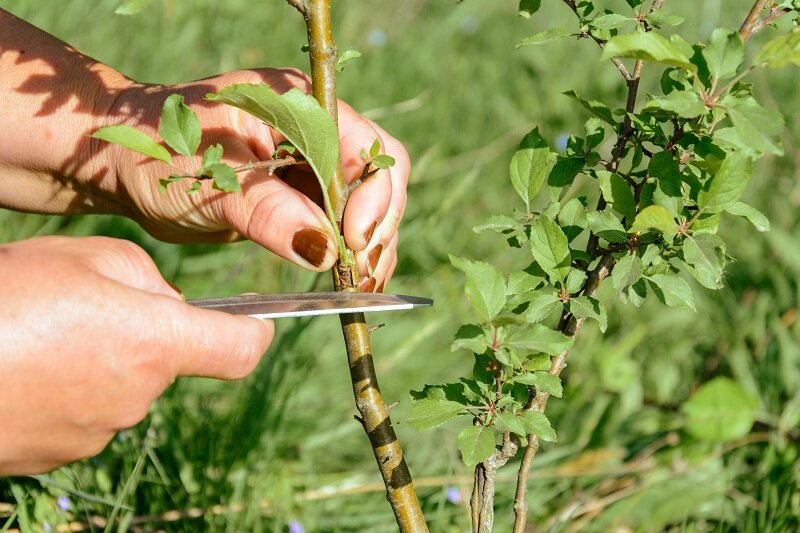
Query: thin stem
{"x":374,"y":414}
{"x":600,"y":42}
{"x":750,"y":24}
{"x":271,"y":165}
{"x":299,"y":5}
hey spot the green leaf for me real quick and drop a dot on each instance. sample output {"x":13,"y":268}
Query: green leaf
{"x":546,"y":36}
{"x":550,"y":248}
{"x":661,"y":18}
{"x":657,"y":218}
{"x":665,"y":169}
{"x":607,"y":226}
{"x":476,"y":444}
{"x":224,"y":178}
{"x":723,"y":189}
{"x":346,"y":57}
{"x":724,"y":53}
{"x":485,"y":287}
{"x":179,"y":126}
{"x":617,"y":193}
{"x":782,"y":51}
{"x":627,"y":271}
{"x":471,"y":337}
{"x":756,"y":217}
{"x":538,"y":362}
{"x":298,"y":117}
{"x":685,"y":104}
{"x":211,"y":156}
{"x":586,"y":307}
{"x":572,"y":218}
{"x":528,"y":7}
{"x":598,"y":109}
{"x":430,"y":413}
{"x":523,"y":282}
{"x":705,"y":256}
{"x":131,"y":7}
{"x":539,"y":338}
{"x":609,"y":21}
{"x":499,"y":223}
{"x":758,"y":127}
{"x":673,"y":290}
{"x":286,"y":147}
{"x":538,"y":424}
{"x":383,"y":161}
{"x":375,"y":149}
{"x":528,"y":166}
{"x":133,"y":139}
{"x":194,"y":187}
{"x":648,"y":46}
{"x":720,"y":410}
{"x":509,"y":422}
{"x":575,"y":280}
{"x":565,"y":170}
{"x":543,"y":381}
{"x":540,"y":305}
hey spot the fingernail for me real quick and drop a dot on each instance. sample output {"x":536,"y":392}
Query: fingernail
{"x":380,"y":287}
{"x":311,"y":244}
{"x":177,"y":289}
{"x":368,"y":285}
{"x":370,"y":232}
{"x":374,"y":256}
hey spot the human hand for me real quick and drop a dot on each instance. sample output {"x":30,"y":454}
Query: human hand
{"x":92,"y":334}
{"x":280,"y":212}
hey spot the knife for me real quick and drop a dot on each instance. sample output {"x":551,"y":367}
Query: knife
{"x":309,"y":303}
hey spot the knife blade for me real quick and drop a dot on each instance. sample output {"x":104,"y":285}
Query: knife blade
{"x":309,"y":303}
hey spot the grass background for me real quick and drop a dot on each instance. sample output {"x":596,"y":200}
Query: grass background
{"x":282,"y":447}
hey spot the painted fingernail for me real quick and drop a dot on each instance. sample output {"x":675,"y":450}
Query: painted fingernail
{"x":368,"y":285}
{"x":374,"y":256}
{"x":380,"y":287}
{"x":370,"y":232}
{"x":177,"y":290}
{"x":311,"y":244}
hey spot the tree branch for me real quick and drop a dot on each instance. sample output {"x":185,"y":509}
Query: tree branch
{"x":374,"y":414}
{"x":750,"y":23}
{"x":600,"y":42}
{"x":299,"y":5}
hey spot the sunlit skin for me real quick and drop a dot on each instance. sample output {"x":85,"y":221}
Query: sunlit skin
{"x":69,"y":395}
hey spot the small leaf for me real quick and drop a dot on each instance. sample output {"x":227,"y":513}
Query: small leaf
{"x":607,"y":226}
{"x":131,"y":7}
{"x":724,"y":53}
{"x":485,"y":287}
{"x":471,"y":337}
{"x":133,"y":139}
{"x":599,"y":109}
{"x":224,"y":178}
{"x":609,"y":21}
{"x":665,"y":169}
{"x":617,"y":193}
{"x":375,"y":149}
{"x":194,"y":187}
{"x":509,"y":422}
{"x":211,"y":156}
{"x":575,"y":280}
{"x":346,"y":57}
{"x":550,"y":248}
{"x":720,"y":410}
{"x":674,"y":291}
{"x":528,"y":7}
{"x":546,"y":36}
{"x":539,"y":338}
{"x":179,"y":126}
{"x":782,"y":51}
{"x":723,"y":189}
{"x":685,"y":104}
{"x":288,"y":148}
{"x":657,"y":218}
{"x":705,"y":256}
{"x":528,"y":166}
{"x":498,"y":223}
{"x":756,"y":217}
{"x":661,"y":18}
{"x":383,"y":161}
{"x":565,"y":170}
{"x":430,"y":413}
{"x":648,"y":46}
{"x":586,"y":307}
{"x":540,"y":305}
{"x":476,"y":444}
{"x":758,"y":127}
{"x":538,"y":424}
{"x":542,"y":381}
{"x":627,"y":271}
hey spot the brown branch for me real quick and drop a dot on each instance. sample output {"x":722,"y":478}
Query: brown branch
{"x":750,"y":23}
{"x":601,"y":43}
{"x":299,"y":5}
{"x":374,"y":414}
{"x":270,"y":165}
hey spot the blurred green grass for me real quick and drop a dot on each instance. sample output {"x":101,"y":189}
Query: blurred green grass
{"x":446,"y":79}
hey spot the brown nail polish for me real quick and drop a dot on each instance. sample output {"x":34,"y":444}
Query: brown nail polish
{"x":368,"y":285}
{"x":370,"y":231}
{"x":311,"y":244}
{"x":374,"y":256}
{"x":177,"y":289}
{"x":380,"y":287}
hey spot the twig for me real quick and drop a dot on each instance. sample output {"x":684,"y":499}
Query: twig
{"x":374,"y":414}
{"x":601,"y":43}
{"x":299,"y":5}
{"x":271,"y":165}
{"x":750,"y":24}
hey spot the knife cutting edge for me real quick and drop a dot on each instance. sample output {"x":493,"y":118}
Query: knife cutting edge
{"x":310,"y":303}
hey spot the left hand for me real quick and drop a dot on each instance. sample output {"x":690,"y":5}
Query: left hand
{"x":278,"y":211}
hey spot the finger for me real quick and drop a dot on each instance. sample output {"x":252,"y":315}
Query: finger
{"x":214,"y":344}
{"x":281,"y":219}
{"x":379,"y":260}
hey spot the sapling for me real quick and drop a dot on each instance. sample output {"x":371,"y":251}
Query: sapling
{"x":638,"y":197}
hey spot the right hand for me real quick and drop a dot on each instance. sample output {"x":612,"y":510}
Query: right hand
{"x":91,"y":335}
